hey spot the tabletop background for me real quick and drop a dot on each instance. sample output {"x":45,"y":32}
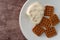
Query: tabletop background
{"x":9,"y":20}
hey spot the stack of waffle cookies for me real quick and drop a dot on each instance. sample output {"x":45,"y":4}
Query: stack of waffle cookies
{"x":47,"y":24}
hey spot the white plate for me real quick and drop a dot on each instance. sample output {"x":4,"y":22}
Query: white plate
{"x":26,"y":25}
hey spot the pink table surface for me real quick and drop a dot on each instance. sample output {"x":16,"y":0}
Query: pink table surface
{"x":9,"y":20}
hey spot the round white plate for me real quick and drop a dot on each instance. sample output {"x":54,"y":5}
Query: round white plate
{"x":27,"y":26}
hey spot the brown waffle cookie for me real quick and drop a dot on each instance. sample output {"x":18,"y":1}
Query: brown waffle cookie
{"x":49,"y":10}
{"x":38,"y":30}
{"x":54,"y":19}
{"x":45,"y":23}
{"x":50,"y":32}
{"x":42,"y":23}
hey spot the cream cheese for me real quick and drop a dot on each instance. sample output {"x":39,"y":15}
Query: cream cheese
{"x":35,"y":12}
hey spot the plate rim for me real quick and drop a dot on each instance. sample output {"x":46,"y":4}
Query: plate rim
{"x":20,"y":19}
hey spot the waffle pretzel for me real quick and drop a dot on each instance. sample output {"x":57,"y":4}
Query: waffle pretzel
{"x":50,"y":32}
{"x":42,"y":23}
{"x":45,"y":23}
{"x":38,"y":30}
{"x":49,"y":10}
{"x":54,"y":19}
